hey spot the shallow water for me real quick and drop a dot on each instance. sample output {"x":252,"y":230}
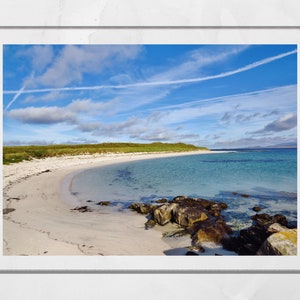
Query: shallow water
{"x":243,"y":179}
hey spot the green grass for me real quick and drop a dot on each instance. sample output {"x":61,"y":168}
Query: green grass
{"x":15,"y":154}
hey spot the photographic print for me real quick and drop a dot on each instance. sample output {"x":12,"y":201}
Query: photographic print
{"x":150,"y":149}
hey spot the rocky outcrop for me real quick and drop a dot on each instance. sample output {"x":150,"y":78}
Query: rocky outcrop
{"x":198,"y":217}
{"x":202,"y":219}
{"x":250,"y":240}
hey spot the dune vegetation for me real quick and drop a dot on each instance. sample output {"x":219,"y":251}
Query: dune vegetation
{"x":14,"y":154}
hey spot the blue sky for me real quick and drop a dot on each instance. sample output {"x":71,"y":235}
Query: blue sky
{"x":218,"y":96}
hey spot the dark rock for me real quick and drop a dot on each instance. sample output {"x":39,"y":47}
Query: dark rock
{"x":14,"y":198}
{"x":191,"y":253}
{"x":251,"y":239}
{"x":82,"y":209}
{"x":245,"y":195}
{"x":281,"y":219}
{"x":104,"y":203}
{"x":180,"y":198}
{"x":198,"y":248}
{"x":256,"y":208}
{"x":150,"y":224}
{"x":207,"y":204}
{"x":8,"y":210}
{"x":162,"y":200}
{"x":186,"y":216}
{"x":176,"y":233}
{"x":142,"y":208}
{"x":163,"y":214}
{"x":265,"y":220}
{"x":200,"y":218}
{"x":242,"y":195}
{"x":211,"y":230}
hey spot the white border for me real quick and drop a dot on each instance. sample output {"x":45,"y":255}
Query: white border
{"x":151,"y":36}
{"x":149,"y":13}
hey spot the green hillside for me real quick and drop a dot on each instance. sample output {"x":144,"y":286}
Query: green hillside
{"x":14,"y":154}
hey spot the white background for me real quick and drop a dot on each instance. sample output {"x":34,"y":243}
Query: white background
{"x":22,"y":17}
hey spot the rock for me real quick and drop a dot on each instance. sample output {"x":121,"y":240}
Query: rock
{"x":142,"y":208}
{"x":191,"y":253}
{"x":207,"y":204}
{"x":150,"y":224}
{"x":251,"y":239}
{"x":198,"y":248}
{"x":162,"y":200}
{"x":8,"y":210}
{"x":175,"y":233}
{"x":104,"y":203}
{"x":276,"y":227}
{"x":187,"y":216}
{"x":280,"y":243}
{"x":201,"y":218}
{"x":210,"y":231}
{"x":180,"y":198}
{"x":163,"y":214}
{"x":245,"y":195}
{"x":281,"y":219}
{"x":82,"y":209}
{"x":14,"y":198}
{"x":265,"y":220}
{"x":256,"y":208}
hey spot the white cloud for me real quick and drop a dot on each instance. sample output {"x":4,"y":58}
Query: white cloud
{"x":42,"y":115}
{"x":73,"y":61}
{"x":40,"y":55}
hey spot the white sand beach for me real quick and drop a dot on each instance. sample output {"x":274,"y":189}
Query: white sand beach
{"x":43,"y":223}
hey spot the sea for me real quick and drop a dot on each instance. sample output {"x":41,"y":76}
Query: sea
{"x":242,"y":178}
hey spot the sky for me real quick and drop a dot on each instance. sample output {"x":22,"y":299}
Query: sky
{"x":216,"y":96}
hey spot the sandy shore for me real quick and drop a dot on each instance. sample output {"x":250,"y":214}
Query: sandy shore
{"x":44,"y":224}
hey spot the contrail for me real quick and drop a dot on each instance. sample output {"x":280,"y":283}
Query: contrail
{"x":14,"y":98}
{"x":18,"y":93}
{"x":157,"y":83}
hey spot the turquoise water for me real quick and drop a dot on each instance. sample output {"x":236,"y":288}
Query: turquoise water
{"x":267,"y":177}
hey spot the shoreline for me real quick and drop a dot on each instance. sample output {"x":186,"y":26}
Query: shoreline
{"x":44,"y":224}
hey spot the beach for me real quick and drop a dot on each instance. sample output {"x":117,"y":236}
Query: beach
{"x":43,"y":221}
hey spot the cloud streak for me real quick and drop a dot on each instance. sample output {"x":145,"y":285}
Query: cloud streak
{"x":160,"y":83}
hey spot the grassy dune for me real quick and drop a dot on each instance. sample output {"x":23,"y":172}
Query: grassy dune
{"x":14,"y":154}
